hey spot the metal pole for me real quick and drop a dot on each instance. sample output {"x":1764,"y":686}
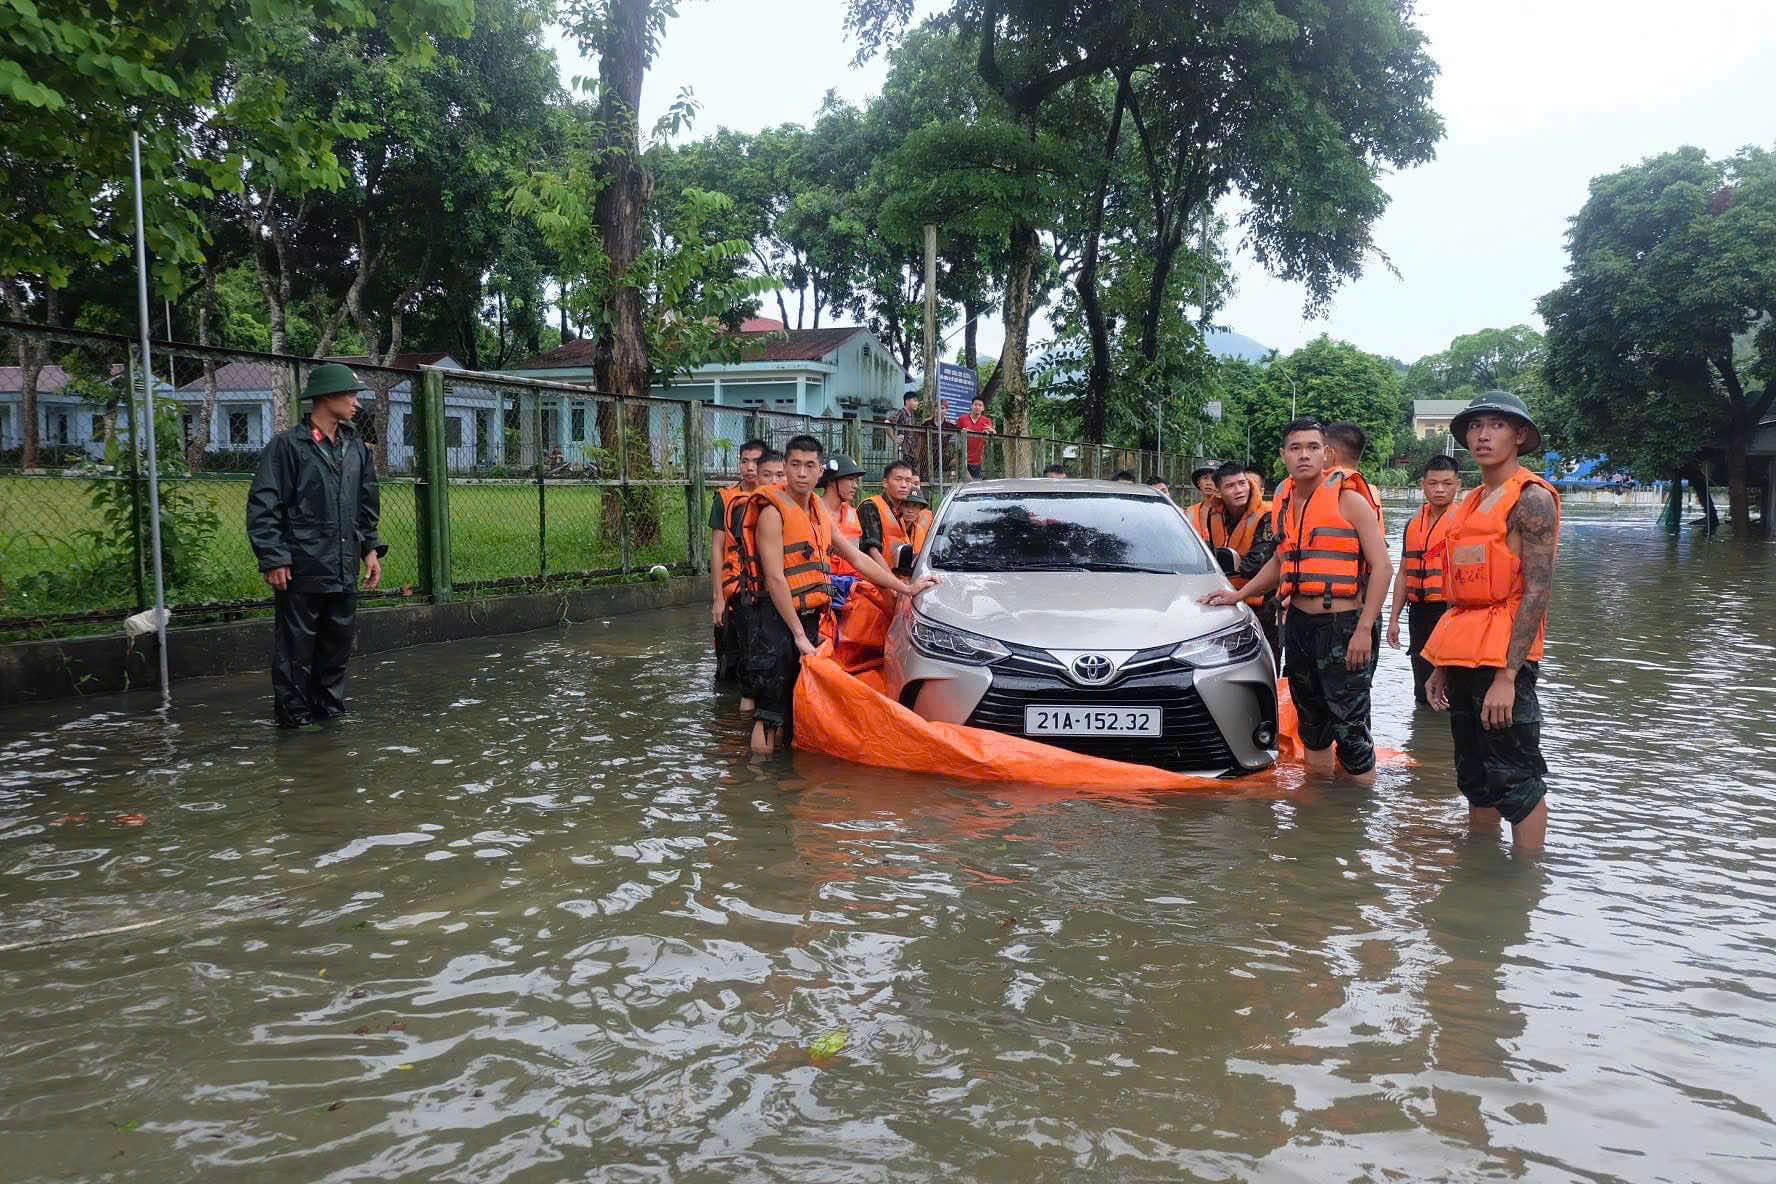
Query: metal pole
{"x":931,"y":322}
{"x":160,"y":630}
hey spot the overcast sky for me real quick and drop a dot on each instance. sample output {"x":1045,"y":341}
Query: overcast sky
{"x":1539,"y":96}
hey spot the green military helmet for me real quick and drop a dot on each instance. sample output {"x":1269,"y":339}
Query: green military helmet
{"x":1497,"y":403}
{"x":838,"y":465}
{"x":331,"y":378}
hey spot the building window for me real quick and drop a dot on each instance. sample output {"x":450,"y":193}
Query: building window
{"x":237,"y":428}
{"x":188,"y":425}
{"x":5,"y":427}
{"x":58,"y":430}
{"x":409,"y":430}
{"x":98,"y":429}
{"x":453,"y":425}
{"x":579,"y":424}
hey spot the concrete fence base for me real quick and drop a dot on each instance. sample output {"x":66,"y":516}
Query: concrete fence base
{"x":31,"y":671}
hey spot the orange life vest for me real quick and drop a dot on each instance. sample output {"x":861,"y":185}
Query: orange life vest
{"x":1424,"y":575}
{"x":1353,"y":479}
{"x":1321,"y":553}
{"x":846,"y":525}
{"x":1240,"y":539}
{"x":1203,"y":519}
{"x":921,"y":531}
{"x":807,"y":550}
{"x":893,"y":534}
{"x":731,"y":496}
{"x":1483,"y":579}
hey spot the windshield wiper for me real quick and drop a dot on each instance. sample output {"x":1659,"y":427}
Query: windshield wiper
{"x":1134,"y":567}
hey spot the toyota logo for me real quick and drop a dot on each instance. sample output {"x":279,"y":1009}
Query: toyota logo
{"x":1092,"y":668}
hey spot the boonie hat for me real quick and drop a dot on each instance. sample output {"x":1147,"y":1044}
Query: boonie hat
{"x":333,"y":378}
{"x":839,"y":465}
{"x":1497,"y":403}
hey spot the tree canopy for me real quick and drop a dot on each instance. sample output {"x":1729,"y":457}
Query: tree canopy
{"x":1662,"y":340}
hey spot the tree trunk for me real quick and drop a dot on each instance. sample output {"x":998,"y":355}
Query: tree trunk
{"x":1165,"y":253}
{"x":1738,"y":494}
{"x":622,"y":357}
{"x":620,"y":362}
{"x":206,"y":309}
{"x":971,"y":310}
{"x":1019,"y":277}
{"x":33,"y":357}
{"x":1097,"y":376}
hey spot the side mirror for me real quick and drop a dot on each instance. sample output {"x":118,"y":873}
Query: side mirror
{"x":904,"y":557}
{"x":1228,"y":558}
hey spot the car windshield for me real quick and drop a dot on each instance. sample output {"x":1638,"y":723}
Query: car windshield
{"x":1066,"y":531}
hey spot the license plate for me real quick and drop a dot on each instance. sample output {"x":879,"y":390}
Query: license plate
{"x":1094,"y":721}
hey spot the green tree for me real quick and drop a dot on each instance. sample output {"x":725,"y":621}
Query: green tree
{"x":1331,"y":380}
{"x":1662,"y":340}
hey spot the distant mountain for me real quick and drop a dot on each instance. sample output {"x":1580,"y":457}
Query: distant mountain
{"x":1225,"y":343}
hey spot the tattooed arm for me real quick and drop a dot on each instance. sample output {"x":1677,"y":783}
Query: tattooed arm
{"x":1536,"y":523}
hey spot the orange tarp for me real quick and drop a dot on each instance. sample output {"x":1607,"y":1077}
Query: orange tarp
{"x":846,"y":715}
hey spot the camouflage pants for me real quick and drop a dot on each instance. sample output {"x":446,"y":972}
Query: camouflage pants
{"x":1331,"y":702}
{"x":1497,"y":768}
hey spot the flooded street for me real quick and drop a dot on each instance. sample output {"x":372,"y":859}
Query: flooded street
{"x":532,"y":915}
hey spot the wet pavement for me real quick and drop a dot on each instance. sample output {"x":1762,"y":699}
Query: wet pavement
{"x":532,"y":914}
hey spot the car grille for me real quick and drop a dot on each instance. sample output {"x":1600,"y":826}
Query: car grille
{"x":1191,"y":741}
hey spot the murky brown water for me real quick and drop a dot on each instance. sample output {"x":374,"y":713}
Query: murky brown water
{"x":533,"y":916}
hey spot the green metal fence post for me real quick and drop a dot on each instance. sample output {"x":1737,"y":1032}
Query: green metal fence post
{"x":542,"y":497}
{"x":623,"y":477}
{"x":431,"y":488}
{"x":696,"y":494}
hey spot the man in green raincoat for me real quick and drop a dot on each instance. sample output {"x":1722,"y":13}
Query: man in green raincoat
{"x":311,"y":520}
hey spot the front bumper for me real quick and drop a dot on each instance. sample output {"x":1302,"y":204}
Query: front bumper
{"x":1215,"y":718}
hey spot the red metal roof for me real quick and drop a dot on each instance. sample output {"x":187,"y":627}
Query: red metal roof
{"x":49,"y":379}
{"x":762,"y":325}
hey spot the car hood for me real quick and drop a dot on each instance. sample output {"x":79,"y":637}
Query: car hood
{"x":1076,"y":610}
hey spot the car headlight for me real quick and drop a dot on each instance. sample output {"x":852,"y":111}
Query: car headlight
{"x":953,"y":645}
{"x":1221,"y":649}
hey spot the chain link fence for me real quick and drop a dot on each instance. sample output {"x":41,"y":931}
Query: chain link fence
{"x":490,"y":483}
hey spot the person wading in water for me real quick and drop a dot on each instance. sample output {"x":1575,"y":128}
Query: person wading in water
{"x":1418,"y":589}
{"x":1498,"y":574}
{"x":1243,"y":526}
{"x":789,"y":544}
{"x":724,"y":557}
{"x":1332,"y":566}
{"x":312,"y":514}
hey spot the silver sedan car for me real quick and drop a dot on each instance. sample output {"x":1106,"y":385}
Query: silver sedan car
{"x":1068,"y":614}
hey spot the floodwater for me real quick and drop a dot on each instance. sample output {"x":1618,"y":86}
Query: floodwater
{"x":532,"y":915}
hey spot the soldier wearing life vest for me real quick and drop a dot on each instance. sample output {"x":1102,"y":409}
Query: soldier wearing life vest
{"x":1209,"y":498}
{"x":915,"y":519}
{"x":880,"y":514}
{"x":1418,"y":589}
{"x":724,"y":557}
{"x":1331,"y":565}
{"x":1244,"y":527}
{"x":786,"y":579}
{"x":1497,"y":561}
{"x":838,"y":494}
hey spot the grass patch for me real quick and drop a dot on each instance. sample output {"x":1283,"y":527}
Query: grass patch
{"x":47,"y":528}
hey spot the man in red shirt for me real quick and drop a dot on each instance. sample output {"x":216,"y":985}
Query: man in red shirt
{"x":978,"y":427}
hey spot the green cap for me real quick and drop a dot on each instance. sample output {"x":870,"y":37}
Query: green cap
{"x":916,"y":498}
{"x":331,"y":378}
{"x":1497,"y":403}
{"x":840,"y":465}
